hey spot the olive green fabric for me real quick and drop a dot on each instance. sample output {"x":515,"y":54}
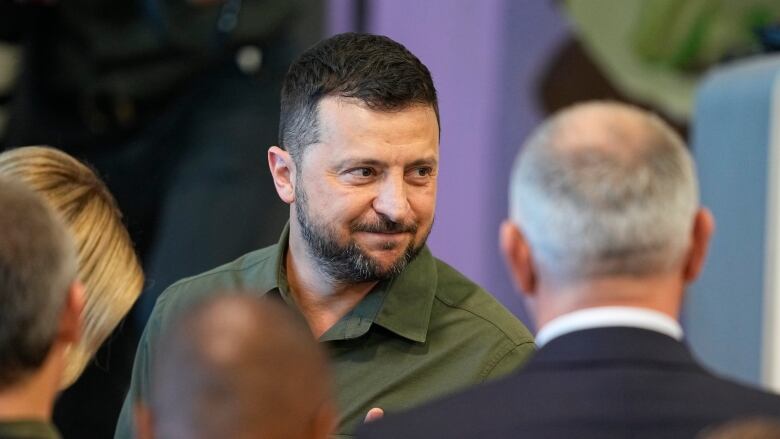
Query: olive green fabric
{"x":28,"y":429}
{"x":425,"y":333}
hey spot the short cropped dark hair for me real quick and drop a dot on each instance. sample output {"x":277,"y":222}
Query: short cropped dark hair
{"x":378,"y":71}
{"x":37,"y":266}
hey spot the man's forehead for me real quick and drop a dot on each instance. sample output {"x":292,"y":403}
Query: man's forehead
{"x":340,"y":156}
{"x":330,"y":108}
{"x":356,"y":160}
{"x":347,"y":123}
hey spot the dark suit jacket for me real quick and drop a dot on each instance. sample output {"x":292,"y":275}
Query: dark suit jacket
{"x":595,"y":383}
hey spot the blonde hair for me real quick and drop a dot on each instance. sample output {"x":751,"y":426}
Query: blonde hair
{"x":107,"y":263}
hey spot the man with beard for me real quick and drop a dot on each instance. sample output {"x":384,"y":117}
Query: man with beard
{"x":357,"y":163}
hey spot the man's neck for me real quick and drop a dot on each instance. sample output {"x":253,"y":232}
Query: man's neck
{"x":321,"y":300}
{"x":657,"y":293}
{"x":33,"y":396}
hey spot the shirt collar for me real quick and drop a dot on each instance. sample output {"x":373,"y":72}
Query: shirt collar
{"x":402,"y":304}
{"x":607,"y":316}
{"x":407,"y":307}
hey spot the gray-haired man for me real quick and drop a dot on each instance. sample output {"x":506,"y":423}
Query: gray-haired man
{"x":605,"y":233}
{"x":40,"y":311}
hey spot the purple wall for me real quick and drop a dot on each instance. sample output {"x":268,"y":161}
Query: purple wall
{"x":459,"y":47}
{"x":484,"y":57}
{"x":340,"y":16}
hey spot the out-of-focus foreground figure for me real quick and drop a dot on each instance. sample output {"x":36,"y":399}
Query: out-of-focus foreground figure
{"x":40,"y":308}
{"x":239,"y":366}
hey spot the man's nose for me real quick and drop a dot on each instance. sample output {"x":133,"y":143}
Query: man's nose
{"x":391,"y":200}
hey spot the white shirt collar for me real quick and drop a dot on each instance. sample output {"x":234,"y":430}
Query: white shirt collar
{"x":606,"y":316}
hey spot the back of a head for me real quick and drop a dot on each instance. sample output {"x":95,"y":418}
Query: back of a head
{"x":604,"y":189}
{"x":37,"y":268}
{"x":238,"y":366}
{"x":375,"y":70}
{"x":107,"y":263}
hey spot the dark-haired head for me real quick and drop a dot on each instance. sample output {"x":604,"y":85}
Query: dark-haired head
{"x":379,"y":72}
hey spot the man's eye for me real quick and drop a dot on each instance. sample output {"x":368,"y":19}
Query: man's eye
{"x":361,"y":172}
{"x":423,"y":171}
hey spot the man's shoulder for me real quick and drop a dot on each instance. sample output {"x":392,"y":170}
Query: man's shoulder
{"x":479,"y":411}
{"x":559,"y":395}
{"x":745,"y":396}
{"x":252,"y":271}
{"x":500,"y":408}
{"x":458,"y":294}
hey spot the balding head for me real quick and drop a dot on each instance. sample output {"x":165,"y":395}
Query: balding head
{"x":604,"y":189}
{"x":241,"y":367}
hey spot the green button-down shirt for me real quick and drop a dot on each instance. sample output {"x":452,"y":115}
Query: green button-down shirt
{"x":425,"y":333}
{"x":28,"y":429}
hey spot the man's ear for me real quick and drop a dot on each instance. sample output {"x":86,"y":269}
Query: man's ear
{"x":517,"y":255}
{"x":71,"y":317}
{"x":283,"y":172}
{"x":703,"y":228}
{"x":143,"y":421}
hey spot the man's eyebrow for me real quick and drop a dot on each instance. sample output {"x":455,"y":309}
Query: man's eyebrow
{"x":430,"y":161}
{"x":352,"y":162}
{"x":372,"y":162}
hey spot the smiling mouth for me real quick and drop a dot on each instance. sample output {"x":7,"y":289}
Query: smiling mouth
{"x":385,"y":240}
{"x":385,"y":228}
{"x":387,"y":234}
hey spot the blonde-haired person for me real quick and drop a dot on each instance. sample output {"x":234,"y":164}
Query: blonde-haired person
{"x":107,"y":263}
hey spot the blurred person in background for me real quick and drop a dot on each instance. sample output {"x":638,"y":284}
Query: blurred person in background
{"x":653,"y":53}
{"x":239,"y":366}
{"x":172,"y":102}
{"x":41,"y":302}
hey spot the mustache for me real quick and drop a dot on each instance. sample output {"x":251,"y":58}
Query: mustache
{"x":384,"y":225}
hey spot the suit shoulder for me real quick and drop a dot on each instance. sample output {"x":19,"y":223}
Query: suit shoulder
{"x":745,"y":395}
{"x":457,"y":292}
{"x":479,"y":411}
